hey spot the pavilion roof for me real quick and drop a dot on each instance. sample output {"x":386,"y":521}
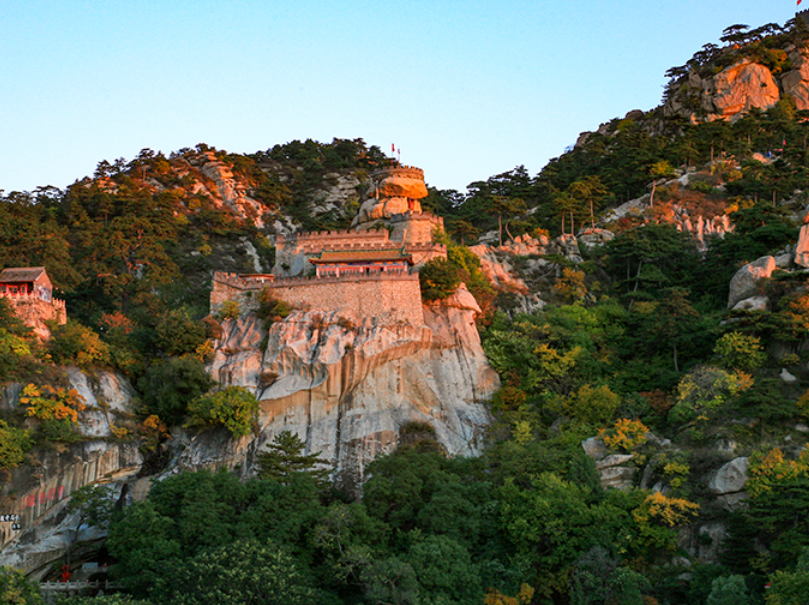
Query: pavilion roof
{"x":362,"y":256}
{"x":21,"y":274}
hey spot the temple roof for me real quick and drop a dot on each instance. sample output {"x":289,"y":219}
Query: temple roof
{"x":362,"y":256}
{"x":21,"y":274}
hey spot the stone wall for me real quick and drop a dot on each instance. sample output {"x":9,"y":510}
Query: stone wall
{"x":415,"y":228}
{"x":393,"y":297}
{"x":34,"y":312}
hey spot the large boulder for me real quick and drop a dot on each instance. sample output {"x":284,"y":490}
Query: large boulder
{"x":745,"y":283}
{"x":796,"y":82}
{"x":402,"y":186}
{"x":802,"y":249}
{"x":728,"y":483}
{"x":742,"y":86}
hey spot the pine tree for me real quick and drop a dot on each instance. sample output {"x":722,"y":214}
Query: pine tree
{"x":284,"y":458}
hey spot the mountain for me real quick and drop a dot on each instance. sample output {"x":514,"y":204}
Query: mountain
{"x":594,"y":390}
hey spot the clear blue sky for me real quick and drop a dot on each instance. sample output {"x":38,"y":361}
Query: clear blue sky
{"x":466,"y":90}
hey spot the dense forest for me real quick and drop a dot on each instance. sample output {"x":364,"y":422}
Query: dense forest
{"x":635,"y":346}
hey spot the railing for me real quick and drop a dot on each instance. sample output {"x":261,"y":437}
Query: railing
{"x":66,"y":586}
{"x":32,"y":297}
{"x":232,"y":279}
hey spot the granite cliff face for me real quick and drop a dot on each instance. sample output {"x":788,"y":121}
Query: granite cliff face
{"x":347,"y":385}
{"x":733,"y":91}
{"x":39,"y":491}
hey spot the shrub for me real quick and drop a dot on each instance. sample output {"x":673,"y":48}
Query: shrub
{"x":14,"y":443}
{"x":16,"y":589}
{"x":593,"y":405}
{"x":179,"y":334}
{"x":229,"y":310}
{"x":624,"y":434}
{"x":234,"y":407}
{"x":152,"y":431}
{"x":78,"y":344}
{"x":668,"y":511}
{"x":738,"y":351}
{"x":705,"y":389}
{"x":271,"y":309}
{"x":438,"y":279}
{"x":48,"y":403}
{"x":168,"y":388}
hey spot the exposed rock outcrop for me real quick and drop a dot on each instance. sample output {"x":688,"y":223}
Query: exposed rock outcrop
{"x":802,"y":248}
{"x":613,"y":469}
{"x":40,"y":496}
{"x":727,"y":95}
{"x":728,"y":482}
{"x":745,"y":283}
{"x":347,"y":385}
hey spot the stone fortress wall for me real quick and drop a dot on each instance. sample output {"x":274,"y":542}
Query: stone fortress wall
{"x":392,"y":297}
{"x":414,"y":231}
{"x":34,"y":311}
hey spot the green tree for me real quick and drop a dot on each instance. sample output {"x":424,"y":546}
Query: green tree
{"x":178,"y":333}
{"x":390,"y":580}
{"x":790,"y":587}
{"x":588,"y":191}
{"x":93,"y":505}
{"x":245,"y":571}
{"x":15,"y":589}
{"x":14,"y":443}
{"x":284,"y":458}
{"x":501,"y":206}
{"x":73,"y":343}
{"x":445,"y":572}
{"x":438,"y":279}
{"x":111,"y":599}
{"x":729,"y":590}
{"x":168,"y":387}
{"x":234,"y":407}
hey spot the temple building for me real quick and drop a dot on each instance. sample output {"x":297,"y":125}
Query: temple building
{"x":334,"y":263}
{"x":26,"y":281}
{"x":30,"y":292}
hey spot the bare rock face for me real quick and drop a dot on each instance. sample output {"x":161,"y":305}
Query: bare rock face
{"x":594,"y":238}
{"x":405,"y":186}
{"x":802,"y":249}
{"x":744,"y":284}
{"x":742,"y":86}
{"x":346,"y":386}
{"x":39,"y":493}
{"x":754,"y":303}
{"x":231,"y":191}
{"x":392,"y":191}
{"x":796,"y":81}
{"x":728,"y":483}
{"x":728,"y":95}
{"x":613,"y":469}
{"x":374,"y":210}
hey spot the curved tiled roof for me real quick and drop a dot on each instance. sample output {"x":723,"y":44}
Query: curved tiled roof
{"x":21,"y":274}
{"x":362,"y":256}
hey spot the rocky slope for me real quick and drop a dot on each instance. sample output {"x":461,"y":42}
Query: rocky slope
{"x":345,"y":385}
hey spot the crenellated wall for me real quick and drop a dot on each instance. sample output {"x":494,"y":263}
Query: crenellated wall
{"x":393,"y":296}
{"x":34,"y":312}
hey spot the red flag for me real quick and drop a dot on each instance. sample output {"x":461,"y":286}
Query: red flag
{"x":393,"y":146}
